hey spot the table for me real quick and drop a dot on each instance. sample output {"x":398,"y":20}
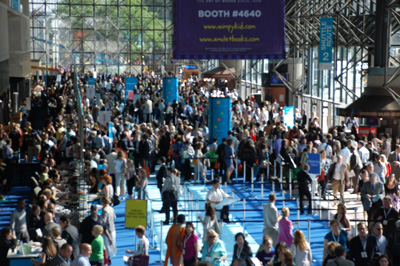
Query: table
{"x":23,"y":260}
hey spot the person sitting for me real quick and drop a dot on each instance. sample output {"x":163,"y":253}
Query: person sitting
{"x":143,"y":246}
{"x":7,"y":241}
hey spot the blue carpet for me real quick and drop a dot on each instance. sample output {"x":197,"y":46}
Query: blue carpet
{"x":253,"y":221}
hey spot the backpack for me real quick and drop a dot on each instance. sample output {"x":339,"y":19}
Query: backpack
{"x":221,"y":150}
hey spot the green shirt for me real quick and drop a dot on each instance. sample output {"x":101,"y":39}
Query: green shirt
{"x":97,"y":249}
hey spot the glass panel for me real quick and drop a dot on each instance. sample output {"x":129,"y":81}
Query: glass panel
{"x":107,"y":32}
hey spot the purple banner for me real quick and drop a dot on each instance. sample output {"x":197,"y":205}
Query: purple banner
{"x":229,"y":29}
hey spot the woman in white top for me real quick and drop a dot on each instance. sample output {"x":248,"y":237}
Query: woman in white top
{"x":110,"y":234}
{"x":120,"y":173}
{"x":210,"y":220}
{"x":301,"y":250}
{"x":199,"y":166}
{"x":107,"y":190}
{"x":143,"y":247}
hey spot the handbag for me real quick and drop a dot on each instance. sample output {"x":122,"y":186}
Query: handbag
{"x":139,"y":260}
{"x":106,"y":261}
{"x":116,"y":200}
{"x":264,"y":164}
{"x":216,"y":166}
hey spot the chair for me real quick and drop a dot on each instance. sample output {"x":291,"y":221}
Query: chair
{"x":36,"y":191}
{"x":35,"y":183}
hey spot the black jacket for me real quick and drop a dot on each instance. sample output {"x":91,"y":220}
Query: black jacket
{"x":355,"y":250}
{"x":246,"y":254}
{"x":5,"y":245}
{"x":303,"y":179}
{"x":161,"y":174}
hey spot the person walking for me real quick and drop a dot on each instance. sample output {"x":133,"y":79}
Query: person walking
{"x":213,"y":250}
{"x":120,"y":174}
{"x":301,"y":249}
{"x":170,"y":195}
{"x":271,"y":218}
{"x":339,"y":177}
{"x":174,"y":243}
{"x":210,"y":220}
{"x":242,"y":250}
{"x":110,"y":234}
{"x":190,"y":245}
{"x":303,"y":180}
{"x":97,"y":256}
{"x":285,"y":228}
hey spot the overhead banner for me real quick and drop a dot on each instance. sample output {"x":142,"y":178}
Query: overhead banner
{"x":229,"y":29}
{"x":15,"y":4}
{"x":170,"y":90}
{"x":219,"y":118}
{"x":110,"y":131}
{"x":130,"y":84}
{"x":325,"y":43}
{"x":91,"y":88}
{"x":288,"y":117}
{"x":135,"y":213}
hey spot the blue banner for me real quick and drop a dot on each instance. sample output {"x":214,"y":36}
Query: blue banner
{"x":170,"y":90}
{"x":15,"y":4}
{"x":91,"y":81}
{"x":110,"y":131}
{"x":227,"y":29}
{"x":91,"y":88}
{"x":288,"y":116}
{"x":130,"y":84}
{"x":325,"y":43}
{"x":219,"y":118}
{"x":314,"y":161}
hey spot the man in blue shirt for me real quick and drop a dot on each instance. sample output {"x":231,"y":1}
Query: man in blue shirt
{"x":83,"y":258}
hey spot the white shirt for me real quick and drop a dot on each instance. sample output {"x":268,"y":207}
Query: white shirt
{"x":216,"y":195}
{"x":143,"y":247}
{"x":345,"y":153}
{"x":302,"y":257}
{"x":111,"y":162}
{"x":364,"y":154}
{"x":82,"y":260}
{"x":336,"y":172}
{"x":380,"y":245}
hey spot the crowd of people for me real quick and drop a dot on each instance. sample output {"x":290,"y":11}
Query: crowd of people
{"x":148,"y":131}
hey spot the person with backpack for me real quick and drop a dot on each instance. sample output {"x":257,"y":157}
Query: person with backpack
{"x":221,"y":155}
